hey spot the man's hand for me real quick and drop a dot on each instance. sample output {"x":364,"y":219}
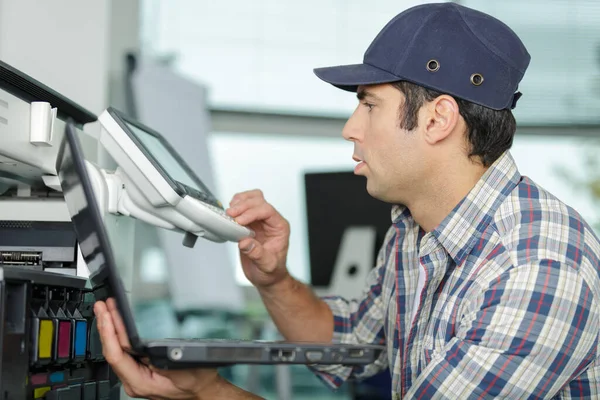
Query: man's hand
{"x":140,"y":380}
{"x":264,"y":256}
{"x":297,"y":312}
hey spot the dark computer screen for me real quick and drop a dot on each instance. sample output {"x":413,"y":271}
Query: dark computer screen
{"x":335,"y":201}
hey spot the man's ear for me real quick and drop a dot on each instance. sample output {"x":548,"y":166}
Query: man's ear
{"x":442,"y":117}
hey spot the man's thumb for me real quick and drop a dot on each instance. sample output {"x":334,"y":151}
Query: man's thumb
{"x":255,"y":251}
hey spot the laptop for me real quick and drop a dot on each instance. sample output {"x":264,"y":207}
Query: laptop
{"x":173,"y":353}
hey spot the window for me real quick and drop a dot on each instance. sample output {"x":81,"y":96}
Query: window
{"x":562,"y":83}
{"x":259,"y":55}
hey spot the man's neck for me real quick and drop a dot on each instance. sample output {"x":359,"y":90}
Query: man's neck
{"x":442,"y":194}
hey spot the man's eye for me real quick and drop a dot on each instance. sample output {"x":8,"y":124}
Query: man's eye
{"x":369,"y":105}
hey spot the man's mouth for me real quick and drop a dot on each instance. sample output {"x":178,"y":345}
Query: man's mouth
{"x":360,"y":164}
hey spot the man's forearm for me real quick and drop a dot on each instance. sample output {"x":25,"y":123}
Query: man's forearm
{"x":298,"y":313}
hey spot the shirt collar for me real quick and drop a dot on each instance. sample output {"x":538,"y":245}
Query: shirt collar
{"x":399,"y":212}
{"x":459,"y":231}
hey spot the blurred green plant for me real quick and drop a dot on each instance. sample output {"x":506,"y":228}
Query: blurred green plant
{"x":588,"y":183}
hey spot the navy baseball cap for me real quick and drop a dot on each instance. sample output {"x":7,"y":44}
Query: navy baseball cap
{"x":446,"y":47}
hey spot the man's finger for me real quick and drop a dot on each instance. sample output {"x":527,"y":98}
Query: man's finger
{"x":264,"y":212}
{"x":246,"y":244}
{"x":99,"y":306}
{"x":118,"y":322}
{"x":133,"y":375}
{"x":245,"y":204}
{"x":256,"y":252}
{"x":122,"y":363}
{"x":246,"y":195}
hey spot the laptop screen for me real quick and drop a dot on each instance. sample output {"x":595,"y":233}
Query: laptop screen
{"x":89,"y":227}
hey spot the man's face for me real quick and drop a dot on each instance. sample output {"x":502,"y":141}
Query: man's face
{"x":392,"y":159}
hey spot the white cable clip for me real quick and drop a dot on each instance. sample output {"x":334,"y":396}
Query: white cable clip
{"x":41,"y":123}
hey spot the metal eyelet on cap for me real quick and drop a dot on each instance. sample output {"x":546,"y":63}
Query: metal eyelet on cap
{"x":433,"y":65}
{"x":476,"y":79}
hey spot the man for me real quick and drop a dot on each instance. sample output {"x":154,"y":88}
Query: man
{"x":487,"y":285}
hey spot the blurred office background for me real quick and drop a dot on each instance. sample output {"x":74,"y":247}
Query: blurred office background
{"x":263,"y":120}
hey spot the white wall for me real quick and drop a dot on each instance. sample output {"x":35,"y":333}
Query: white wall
{"x":61,"y":43}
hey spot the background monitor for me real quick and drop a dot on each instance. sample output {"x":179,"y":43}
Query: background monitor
{"x":335,"y":201}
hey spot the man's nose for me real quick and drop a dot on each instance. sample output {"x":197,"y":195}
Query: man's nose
{"x":352,"y":129}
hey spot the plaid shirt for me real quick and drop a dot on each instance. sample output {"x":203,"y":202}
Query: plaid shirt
{"x":509,"y":308}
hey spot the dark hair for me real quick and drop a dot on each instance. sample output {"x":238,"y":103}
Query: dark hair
{"x":489,"y":132}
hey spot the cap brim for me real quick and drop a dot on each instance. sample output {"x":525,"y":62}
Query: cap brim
{"x":349,"y":77}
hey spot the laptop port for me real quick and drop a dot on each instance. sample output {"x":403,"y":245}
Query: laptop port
{"x":356,"y":353}
{"x":314,"y":355}
{"x":283,"y":355}
{"x":176,"y":354}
